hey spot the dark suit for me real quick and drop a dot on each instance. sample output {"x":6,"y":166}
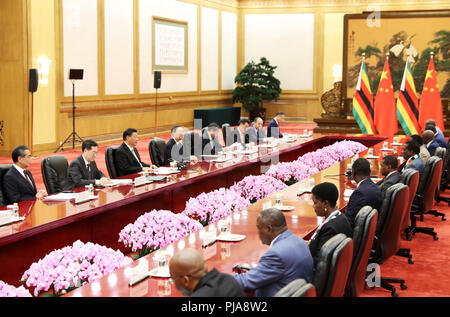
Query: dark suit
{"x":173,"y":152}
{"x":207,"y":147}
{"x":255,"y":135}
{"x":236,"y":136}
{"x":367,"y":194}
{"x":336,"y":224}
{"x":416,"y":164}
{"x":388,"y":181}
{"x":286,"y":260}
{"x":273,"y":130}
{"x":217,"y":284}
{"x":78,"y":175}
{"x":17,"y":188}
{"x":126,"y":162}
{"x":440,"y":139}
{"x":432,"y":147}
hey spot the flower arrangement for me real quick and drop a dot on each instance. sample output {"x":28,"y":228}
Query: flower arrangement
{"x":156,"y":229}
{"x":7,"y":290}
{"x":291,"y":172}
{"x":213,"y":206}
{"x":254,"y":188}
{"x":73,"y":266}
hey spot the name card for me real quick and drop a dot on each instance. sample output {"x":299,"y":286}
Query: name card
{"x":139,"y":272}
{"x":82,"y":197}
{"x":138,"y":181}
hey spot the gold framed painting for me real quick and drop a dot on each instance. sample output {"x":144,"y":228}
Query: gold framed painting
{"x":396,"y":34}
{"x":169,"y":45}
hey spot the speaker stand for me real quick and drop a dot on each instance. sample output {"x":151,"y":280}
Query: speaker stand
{"x":74,"y":135}
{"x":156,"y":113}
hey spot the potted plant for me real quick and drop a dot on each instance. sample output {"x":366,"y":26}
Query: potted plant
{"x":256,"y":84}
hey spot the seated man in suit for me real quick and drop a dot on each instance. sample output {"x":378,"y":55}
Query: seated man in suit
{"x":189,"y":273}
{"x":410,"y":153}
{"x":424,"y":154}
{"x":324,"y":197}
{"x":239,"y":134}
{"x":430,"y":124}
{"x":256,"y":132}
{"x":367,"y":193}
{"x":287,"y":259}
{"x":174,"y":148}
{"x":83,"y":170}
{"x":210,"y":140}
{"x":273,"y":129}
{"x":430,"y":142}
{"x":18,"y":183}
{"x":128,"y":159}
{"x":388,"y":168}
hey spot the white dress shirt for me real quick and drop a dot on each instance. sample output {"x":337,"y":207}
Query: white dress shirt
{"x":135,"y":156}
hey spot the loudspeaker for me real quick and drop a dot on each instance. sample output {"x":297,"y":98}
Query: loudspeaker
{"x":157,"y":80}
{"x":34,"y":80}
{"x":75,"y":74}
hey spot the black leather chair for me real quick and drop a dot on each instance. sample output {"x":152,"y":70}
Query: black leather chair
{"x":156,"y":149}
{"x":387,"y":233}
{"x":425,"y":197}
{"x":3,"y":170}
{"x":333,"y":266}
{"x":445,"y":181}
{"x":110,"y":159}
{"x":442,"y":153}
{"x":363,"y":234}
{"x":54,"y":173}
{"x":291,"y":288}
{"x":410,"y":178}
{"x":226,"y":132}
{"x":192,"y":145}
{"x":307,"y":290}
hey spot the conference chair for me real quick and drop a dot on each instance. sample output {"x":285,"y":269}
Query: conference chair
{"x":110,"y":159}
{"x":425,"y":197}
{"x":307,"y":290}
{"x":445,"y":182}
{"x":156,"y":149}
{"x":291,"y":288}
{"x":363,"y":235}
{"x":54,"y":173}
{"x":333,"y":266}
{"x":192,"y":145}
{"x":3,"y":170}
{"x":442,"y":153}
{"x":410,"y":178}
{"x":387,"y":234}
{"x":226,"y":132}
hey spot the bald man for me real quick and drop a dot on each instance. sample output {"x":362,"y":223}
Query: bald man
{"x":438,"y":135}
{"x":429,"y":141}
{"x":287,"y":259}
{"x":190,"y":275}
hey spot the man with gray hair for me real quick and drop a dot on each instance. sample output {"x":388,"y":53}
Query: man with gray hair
{"x":256,"y":132}
{"x":287,"y":259}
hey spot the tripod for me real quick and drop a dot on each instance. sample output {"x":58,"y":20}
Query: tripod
{"x":74,"y":133}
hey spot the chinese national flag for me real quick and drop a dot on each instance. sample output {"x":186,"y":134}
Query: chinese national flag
{"x":385,"y":109}
{"x":430,"y":106}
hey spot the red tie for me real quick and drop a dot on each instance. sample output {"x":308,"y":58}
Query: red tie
{"x":25,"y":172}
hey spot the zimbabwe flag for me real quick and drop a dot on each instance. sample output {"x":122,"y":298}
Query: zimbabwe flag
{"x":363,"y":102}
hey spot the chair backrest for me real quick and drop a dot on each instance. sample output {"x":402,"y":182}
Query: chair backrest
{"x":291,"y":288}
{"x":54,"y":173}
{"x":440,"y":152}
{"x":363,"y":234}
{"x":3,"y":170}
{"x":192,"y":145}
{"x":389,"y":223}
{"x":432,"y":183}
{"x":333,"y":266}
{"x":226,"y":132}
{"x":110,"y":159}
{"x":307,"y":290}
{"x":410,"y":177}
{"x":156,"y":149}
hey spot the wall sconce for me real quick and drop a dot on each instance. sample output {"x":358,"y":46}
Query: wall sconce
{"x":337,"y":72}
{"x":44,"y":69}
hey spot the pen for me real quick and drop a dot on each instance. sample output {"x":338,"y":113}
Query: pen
{"x":140,"y":280}
{"x":211,"y":243}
